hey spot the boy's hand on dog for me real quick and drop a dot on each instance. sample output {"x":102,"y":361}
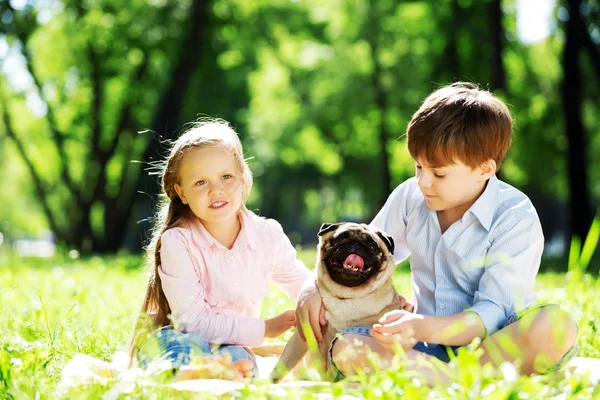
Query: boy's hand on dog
{"x":398,"y":326}
{"x":276,"y":326}
{"x":405,"y":305}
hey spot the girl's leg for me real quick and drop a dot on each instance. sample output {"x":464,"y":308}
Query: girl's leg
{"x":241,"y":356}
{"x":189,"y":355}
{"x":169,"y":345}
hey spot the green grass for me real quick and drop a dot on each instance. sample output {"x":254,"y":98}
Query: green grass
{"x":53,"y":309}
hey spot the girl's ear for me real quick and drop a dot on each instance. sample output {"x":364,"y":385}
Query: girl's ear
{"x":179,"y":191}
{"x":242,"y":187}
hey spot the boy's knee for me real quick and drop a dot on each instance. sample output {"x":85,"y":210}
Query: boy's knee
{"x":552,"y":331}
{"x":347,"y":353}
{"x":340,"y":345}
{"x":339,"y":348}
{"x":565,"y":334}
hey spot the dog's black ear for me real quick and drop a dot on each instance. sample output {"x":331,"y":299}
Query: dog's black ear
{"x":327,"y":228}
{"x":388,"y":240}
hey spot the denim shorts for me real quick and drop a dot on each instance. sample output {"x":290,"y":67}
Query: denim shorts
{"x":168,"y":344}
{"x":445,"y":353}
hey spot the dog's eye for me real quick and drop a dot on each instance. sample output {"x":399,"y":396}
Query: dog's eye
{"x":343,"y":236}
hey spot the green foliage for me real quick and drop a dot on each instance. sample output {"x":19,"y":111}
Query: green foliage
{"x":321,"y":93}
{"x":59,"y":307}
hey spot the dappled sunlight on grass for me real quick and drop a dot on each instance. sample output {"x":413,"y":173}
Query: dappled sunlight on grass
{"x":55,"y":308}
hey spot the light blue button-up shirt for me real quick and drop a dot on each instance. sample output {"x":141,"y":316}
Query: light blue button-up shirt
{"x":485,"y":262}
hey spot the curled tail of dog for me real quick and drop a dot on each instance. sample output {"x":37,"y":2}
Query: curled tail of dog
{"x":292,"y":354}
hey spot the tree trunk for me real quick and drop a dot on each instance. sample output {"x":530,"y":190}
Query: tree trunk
{"x":77,"y":231}
{"x":383,"y":135}
{"x":381,"y":102}
{"x":579,"y":202}
{"x":498,"y":81}
{"x":166,"y":121}
{"x":447,"y":68}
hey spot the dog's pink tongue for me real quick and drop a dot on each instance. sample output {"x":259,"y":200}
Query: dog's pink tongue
{"x":355,"y":260}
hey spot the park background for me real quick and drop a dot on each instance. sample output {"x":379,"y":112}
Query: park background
{"x":320,"y":92}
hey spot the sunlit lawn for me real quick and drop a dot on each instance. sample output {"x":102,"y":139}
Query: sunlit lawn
{"x":53,"y":309}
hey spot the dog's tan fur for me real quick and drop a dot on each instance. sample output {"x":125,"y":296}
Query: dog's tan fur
{"x":345,"y":307}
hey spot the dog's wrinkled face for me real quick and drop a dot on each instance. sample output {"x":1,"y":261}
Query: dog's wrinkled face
{"x":354,"y":253}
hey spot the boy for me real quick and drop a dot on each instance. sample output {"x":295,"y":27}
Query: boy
{"x":475,"y":245}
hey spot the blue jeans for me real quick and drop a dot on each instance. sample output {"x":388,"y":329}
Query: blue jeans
{"x":444,"y":353}
{"x":181,"y":348}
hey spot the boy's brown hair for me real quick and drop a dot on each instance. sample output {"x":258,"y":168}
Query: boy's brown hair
{"x":460,"y":122}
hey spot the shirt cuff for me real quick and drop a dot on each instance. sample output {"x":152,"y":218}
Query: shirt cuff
{"x":492,"y":315}
{"x":251,"y":331}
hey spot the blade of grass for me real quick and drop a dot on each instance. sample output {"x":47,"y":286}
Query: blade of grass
{"x":574,"y":252}
{"x":50,"y":335}
{"x":591,"y":241}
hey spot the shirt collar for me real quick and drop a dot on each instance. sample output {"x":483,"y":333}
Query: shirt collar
{"x":485,"y":206}
{"x":248,"y":234}
{"x":246,"y":238}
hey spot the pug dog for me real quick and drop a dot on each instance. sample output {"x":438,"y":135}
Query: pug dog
{"x":354,"y":277}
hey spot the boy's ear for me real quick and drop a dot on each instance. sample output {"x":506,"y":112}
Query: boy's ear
{"x":488,"y":169}
{"x":180,"y":193}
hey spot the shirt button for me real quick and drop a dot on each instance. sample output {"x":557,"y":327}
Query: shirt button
{"x":439,"y":254}
{"x":234,"y":283}
{"x":231,"y":257}
{"x":442,"y":306}
{"x":442,"y":282}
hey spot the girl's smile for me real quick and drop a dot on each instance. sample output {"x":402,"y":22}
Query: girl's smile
{"x":218,"y":204}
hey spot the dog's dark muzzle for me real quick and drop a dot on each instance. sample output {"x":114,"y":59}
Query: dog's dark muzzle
{"x":351,"y":263}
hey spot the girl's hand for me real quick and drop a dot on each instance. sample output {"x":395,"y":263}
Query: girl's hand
{"x":398,"y":326}
{"x":309,"y":309}
{"x":276,"y":326}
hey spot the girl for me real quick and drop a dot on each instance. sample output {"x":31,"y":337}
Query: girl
{"x":212,"y":259}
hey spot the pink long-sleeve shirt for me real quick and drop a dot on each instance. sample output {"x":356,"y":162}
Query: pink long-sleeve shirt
{"x":216,"y":292}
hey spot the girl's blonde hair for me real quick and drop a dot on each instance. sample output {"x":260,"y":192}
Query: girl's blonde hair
{"x":172,"y":212}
